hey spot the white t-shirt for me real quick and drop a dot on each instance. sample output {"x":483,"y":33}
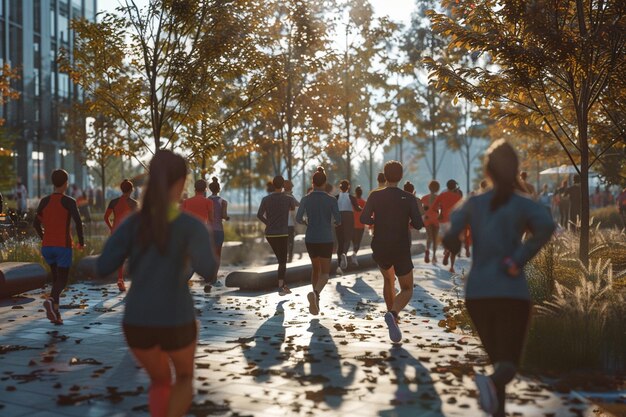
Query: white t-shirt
{"x":344,"y":202}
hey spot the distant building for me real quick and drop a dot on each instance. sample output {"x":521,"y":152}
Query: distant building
{"x":32,"y":32}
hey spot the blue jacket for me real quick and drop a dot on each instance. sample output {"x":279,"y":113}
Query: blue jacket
{"x":320,"y":209}
{"x":497,"y":235}
{"x":159,"y":295}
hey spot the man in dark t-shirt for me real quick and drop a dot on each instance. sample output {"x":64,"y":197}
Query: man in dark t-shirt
{"x":391,"y":210}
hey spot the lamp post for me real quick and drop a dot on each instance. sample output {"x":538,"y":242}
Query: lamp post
{"x":63,"y":152}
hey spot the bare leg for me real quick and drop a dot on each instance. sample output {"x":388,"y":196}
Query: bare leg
{"x":405,"y":294}
{"x":324,"y":264}
{"x":182,"y":390}
{"x":315,"y":271}
{"x":389,"y":287}
{"x":156,"y":363}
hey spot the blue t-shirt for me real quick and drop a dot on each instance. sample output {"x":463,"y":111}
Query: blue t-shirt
{"x":320,"y":209}
{"x":159,"y":295}
{"x":497,"y":235}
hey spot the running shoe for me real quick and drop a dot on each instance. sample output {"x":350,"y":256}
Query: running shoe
{"x":452,"y":270}
{"x":284,"y":291}
{"x":354,"y":260}
{"x":434,"y":259}
{"x":339,"y":271}
{"x":394,"y":331}
{"x":487,"y":398}
{"x":467,"y":252}
{"x":121,"y":286}
{"x":50,"y":311}
{"x":446,"y":255}
{"x":207,"y":288}
{"x":427,"y":257}
{"x":314,"y":307}
{"x":59,"y":320}
{"x":344,"y":261}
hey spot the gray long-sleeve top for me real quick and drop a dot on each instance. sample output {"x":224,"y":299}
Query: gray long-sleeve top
{"x":497,"y":235}
{"x":159,"y":296}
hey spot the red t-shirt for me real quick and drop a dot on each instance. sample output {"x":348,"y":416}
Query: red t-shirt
{"x":357,"y":214}
{"x":199,"y":206}
{"x":120,"y":207}
{"x":431,"y":217}
{"x":52,"y":223}
{"x":446,"y":202}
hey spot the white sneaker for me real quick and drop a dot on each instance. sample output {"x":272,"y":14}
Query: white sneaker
{"x":487,"y":398}
{"x":354,"y":260}
{"x":314,"y":307}
{"x":344,"y":261}
{"x":339,"y":271}
{"x":395,"y":334}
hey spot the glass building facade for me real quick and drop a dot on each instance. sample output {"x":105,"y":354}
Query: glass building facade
{"x":32,"y":33}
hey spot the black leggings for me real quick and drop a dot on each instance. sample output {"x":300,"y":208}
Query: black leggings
{"x":357,"y":237}
{"x":59,"y":281}
{"x":344,"y":233}
{"x":502,"y":325}
{"x":292,"y":235}
{"x":279,"y":246}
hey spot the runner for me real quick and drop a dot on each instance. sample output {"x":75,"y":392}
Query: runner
{"x":345,"y":230}
{"x":445,"y":202}
{"x":391,"y":209}
{"x":159,"y":319}
{"x":291,"y":225}
{"x":320,"y":210}
{"x":52,"y":223}
{"x":121,"y":208}
{"x":20,"y":193}
{"x":497,"y":296}
{"x":199,"y":205}
{"x":274,"y":213}
{"x":220,"y":213}
{"x":359,"y":228}
{"x":526,"y":186}
{"x":431,"y":221}
{"x":382,"y":181}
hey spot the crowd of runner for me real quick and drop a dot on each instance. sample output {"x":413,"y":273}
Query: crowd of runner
{"x":165,"y":242}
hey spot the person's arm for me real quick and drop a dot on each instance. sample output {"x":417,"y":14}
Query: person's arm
{"x":107,"y":216}
{"x":261,"y":213}
{"x":73,"y":209}
{"x":335,"y":211}
{"x":541,"y":227}
{"x":459,"y":219}
{"x":416,"y":217}
{"x":225,"y":210}
{"x":116,"y":249}
{"x":38,"y":216}
{"x":201,"y":244}
{"x":301,"y":211}
{"x":355,"y":204}
{"x":210,"y":210}
{"x":368,"y":211}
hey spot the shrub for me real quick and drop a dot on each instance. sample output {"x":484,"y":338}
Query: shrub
{"x":608,"y":217}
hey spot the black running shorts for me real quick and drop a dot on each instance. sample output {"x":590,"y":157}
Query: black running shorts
{"x":320,"y":250}
{"x":167,"y":338}
{"x":398,"y":258}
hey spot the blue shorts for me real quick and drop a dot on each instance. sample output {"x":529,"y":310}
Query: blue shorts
{"x":56,"y":255}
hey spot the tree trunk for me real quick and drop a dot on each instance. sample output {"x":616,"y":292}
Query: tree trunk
{"x":583,"y":253}
{"x":468,"y":169}
{"x":371,"y":168}
{"x":104,"y":184}
{"x":434,"y":151}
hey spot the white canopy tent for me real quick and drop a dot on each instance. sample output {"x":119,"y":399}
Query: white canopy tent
{"x":563,"y":170}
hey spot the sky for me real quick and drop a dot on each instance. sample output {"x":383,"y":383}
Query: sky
{"x":398,"y":10}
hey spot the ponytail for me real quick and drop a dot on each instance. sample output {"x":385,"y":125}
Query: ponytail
{"x":166,"y":168}
{"x":502,"y":164}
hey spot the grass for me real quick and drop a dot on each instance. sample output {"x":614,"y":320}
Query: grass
{"x":579,"y":311}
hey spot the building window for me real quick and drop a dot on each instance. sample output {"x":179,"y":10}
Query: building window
{"x":37,"y":15}
{"x":15,"y":11}
{"x":37,"y":82}
{"x":64,"y":85}
{"x":64,"y":29}
{"x":53,"y":24}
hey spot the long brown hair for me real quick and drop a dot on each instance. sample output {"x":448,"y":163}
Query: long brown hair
{"x":502,"y":164}
{"x":166,"y":168}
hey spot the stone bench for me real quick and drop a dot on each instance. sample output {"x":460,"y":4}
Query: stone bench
{"x":264,"y":277}
{"x":19,"y":277}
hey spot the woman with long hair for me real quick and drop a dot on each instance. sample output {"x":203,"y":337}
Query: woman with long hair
{"x":159,"y":321}
{"x":496,"y":295}
{"x":320,"y":209}
{"x":220,"y":213}
{"x":431,"y":221}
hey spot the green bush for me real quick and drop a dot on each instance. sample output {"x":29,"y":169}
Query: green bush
{"x":607,"y":217}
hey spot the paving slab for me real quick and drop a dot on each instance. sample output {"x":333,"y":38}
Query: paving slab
{"x":263,"y":355}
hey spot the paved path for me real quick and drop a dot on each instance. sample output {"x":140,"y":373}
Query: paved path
{"x":260,"y":355}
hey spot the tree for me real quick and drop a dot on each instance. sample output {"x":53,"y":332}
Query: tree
{"x":7,"y":76}
{"x":551,"y":64}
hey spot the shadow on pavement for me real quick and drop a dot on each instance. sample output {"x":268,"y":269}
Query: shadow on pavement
{"x":415,"y":395}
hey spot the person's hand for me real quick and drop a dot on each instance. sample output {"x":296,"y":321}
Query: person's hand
{"x":511,"y":267}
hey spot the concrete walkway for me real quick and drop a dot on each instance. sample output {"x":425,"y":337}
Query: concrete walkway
{"x":261,"y":355}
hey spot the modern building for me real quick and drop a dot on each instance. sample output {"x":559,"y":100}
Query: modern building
{"x":32,"y":33}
